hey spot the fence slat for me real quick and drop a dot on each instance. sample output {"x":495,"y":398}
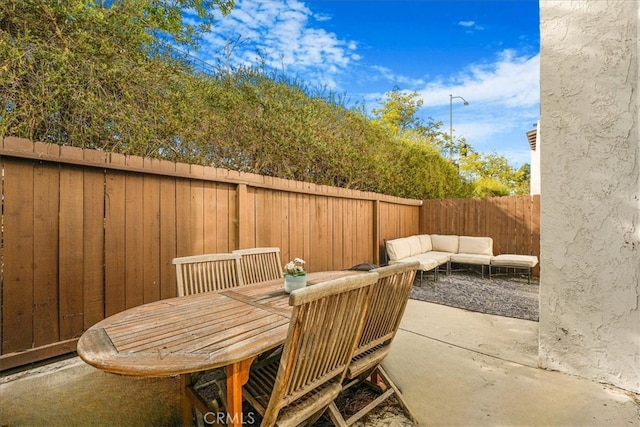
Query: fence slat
{"x":167,"y":241}
{"x":151,"y":238}
{"x":18,"y":240}
{"x":71,"y":257}
{"x":114,"y":251}
{"x":93,"y":246}
{"x":45,"y":254}
{"x":134,"y":240}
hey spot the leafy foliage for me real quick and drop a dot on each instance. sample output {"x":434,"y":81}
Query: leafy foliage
{"x":77,"y":73}
{"x":107,"y":77}
{"x":483,"y":175}
{"x":491,"y":175}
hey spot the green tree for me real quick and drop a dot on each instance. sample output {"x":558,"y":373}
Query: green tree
{"x":166,"y":17}
{"x":491,"y":175}
{"x":523,"y":179}
{"x":398,"y":111}
{"x":80,"y":73}
{"x":398,"y":114}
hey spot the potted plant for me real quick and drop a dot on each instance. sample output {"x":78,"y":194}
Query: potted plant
{"x":294,"y":275}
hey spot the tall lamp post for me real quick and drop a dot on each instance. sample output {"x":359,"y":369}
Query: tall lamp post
{"x":451,"y":98}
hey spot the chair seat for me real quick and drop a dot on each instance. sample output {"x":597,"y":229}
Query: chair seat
{"x":365,"y":361}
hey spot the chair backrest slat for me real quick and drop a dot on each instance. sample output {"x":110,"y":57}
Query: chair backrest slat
{"x":388,"y":302}
{"x":260,"y":264}
{"x":205,"y":273}
{"x":326,"y":323}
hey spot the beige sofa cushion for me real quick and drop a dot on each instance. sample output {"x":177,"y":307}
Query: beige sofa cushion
{"x":444,"y":243}
{"x":471,"y":259}
{"x":415,"y":247}
{"x":439,"y":257}
{"x":398,"y":249}
{"x":475,"y":245}
{"x":426,"y":263}
{"x":425,"y":242}
{"x":510,"y":260}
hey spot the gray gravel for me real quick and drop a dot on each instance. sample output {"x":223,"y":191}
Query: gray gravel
{"x":505,"y":295}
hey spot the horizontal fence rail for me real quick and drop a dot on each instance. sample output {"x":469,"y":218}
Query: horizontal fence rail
{"x":86,"y":234}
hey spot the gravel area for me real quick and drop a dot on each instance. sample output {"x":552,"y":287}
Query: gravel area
{"x":504,"y":295}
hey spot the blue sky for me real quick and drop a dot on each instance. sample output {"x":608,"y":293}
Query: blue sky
{"x":487,"y":52}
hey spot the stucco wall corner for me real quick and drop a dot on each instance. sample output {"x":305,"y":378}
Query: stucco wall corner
{"x":590,"y":190}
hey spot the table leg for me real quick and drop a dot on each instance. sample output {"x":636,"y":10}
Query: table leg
{"x":185,"y":404}
{"x":237,"y":376}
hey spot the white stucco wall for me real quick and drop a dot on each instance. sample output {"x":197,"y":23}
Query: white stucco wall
{"x":590,"y":202}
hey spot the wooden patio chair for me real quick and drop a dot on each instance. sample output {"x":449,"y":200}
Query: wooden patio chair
{"x":388,"y":302}
{"x":260,"y":264}
{"x":205,"y":273}
{"x":326,"y":322}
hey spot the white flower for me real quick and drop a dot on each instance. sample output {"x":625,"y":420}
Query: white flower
{"x":295,"y":267}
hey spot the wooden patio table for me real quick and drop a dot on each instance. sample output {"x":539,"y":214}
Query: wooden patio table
{"x":185,"y":335}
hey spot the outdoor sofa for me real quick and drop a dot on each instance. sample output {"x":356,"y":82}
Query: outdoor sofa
{"x":434,"y":251}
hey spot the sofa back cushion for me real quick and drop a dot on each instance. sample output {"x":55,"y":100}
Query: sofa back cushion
{"x":398,"y":249}
{"x":415,"y":247}
{"x":475,"y":245}
{"x":425,"y":242}
{"x":444,"y":243}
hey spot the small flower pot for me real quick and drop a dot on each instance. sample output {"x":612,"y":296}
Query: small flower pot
{"x":291,"y":283}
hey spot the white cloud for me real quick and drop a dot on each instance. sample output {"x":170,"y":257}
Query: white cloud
{"x":513,"y":81}
{"x":503,"y":98}
{"x":391,"y":76}
{"x":280,"y":35}
{"x":471,"y":26}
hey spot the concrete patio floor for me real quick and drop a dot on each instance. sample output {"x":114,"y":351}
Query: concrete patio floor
{"x":455,"y":368}
{"x":461,"y":368}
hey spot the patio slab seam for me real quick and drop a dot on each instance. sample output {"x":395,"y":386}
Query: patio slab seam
{"x":469,"y":349}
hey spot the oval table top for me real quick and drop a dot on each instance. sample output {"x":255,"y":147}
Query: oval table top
{"x":193,"y":333}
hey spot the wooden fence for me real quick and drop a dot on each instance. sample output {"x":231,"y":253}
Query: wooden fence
{"x":512,"y":222}
{"x":86,"y":234}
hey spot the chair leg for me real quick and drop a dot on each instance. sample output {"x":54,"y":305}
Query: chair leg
{"x":336,"y":416}
{"x":399,"y":397}
{"x":315,"y":417}
{"x":379,"y":378}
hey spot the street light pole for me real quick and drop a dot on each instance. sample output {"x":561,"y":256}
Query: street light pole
{"x":451,"y":98}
